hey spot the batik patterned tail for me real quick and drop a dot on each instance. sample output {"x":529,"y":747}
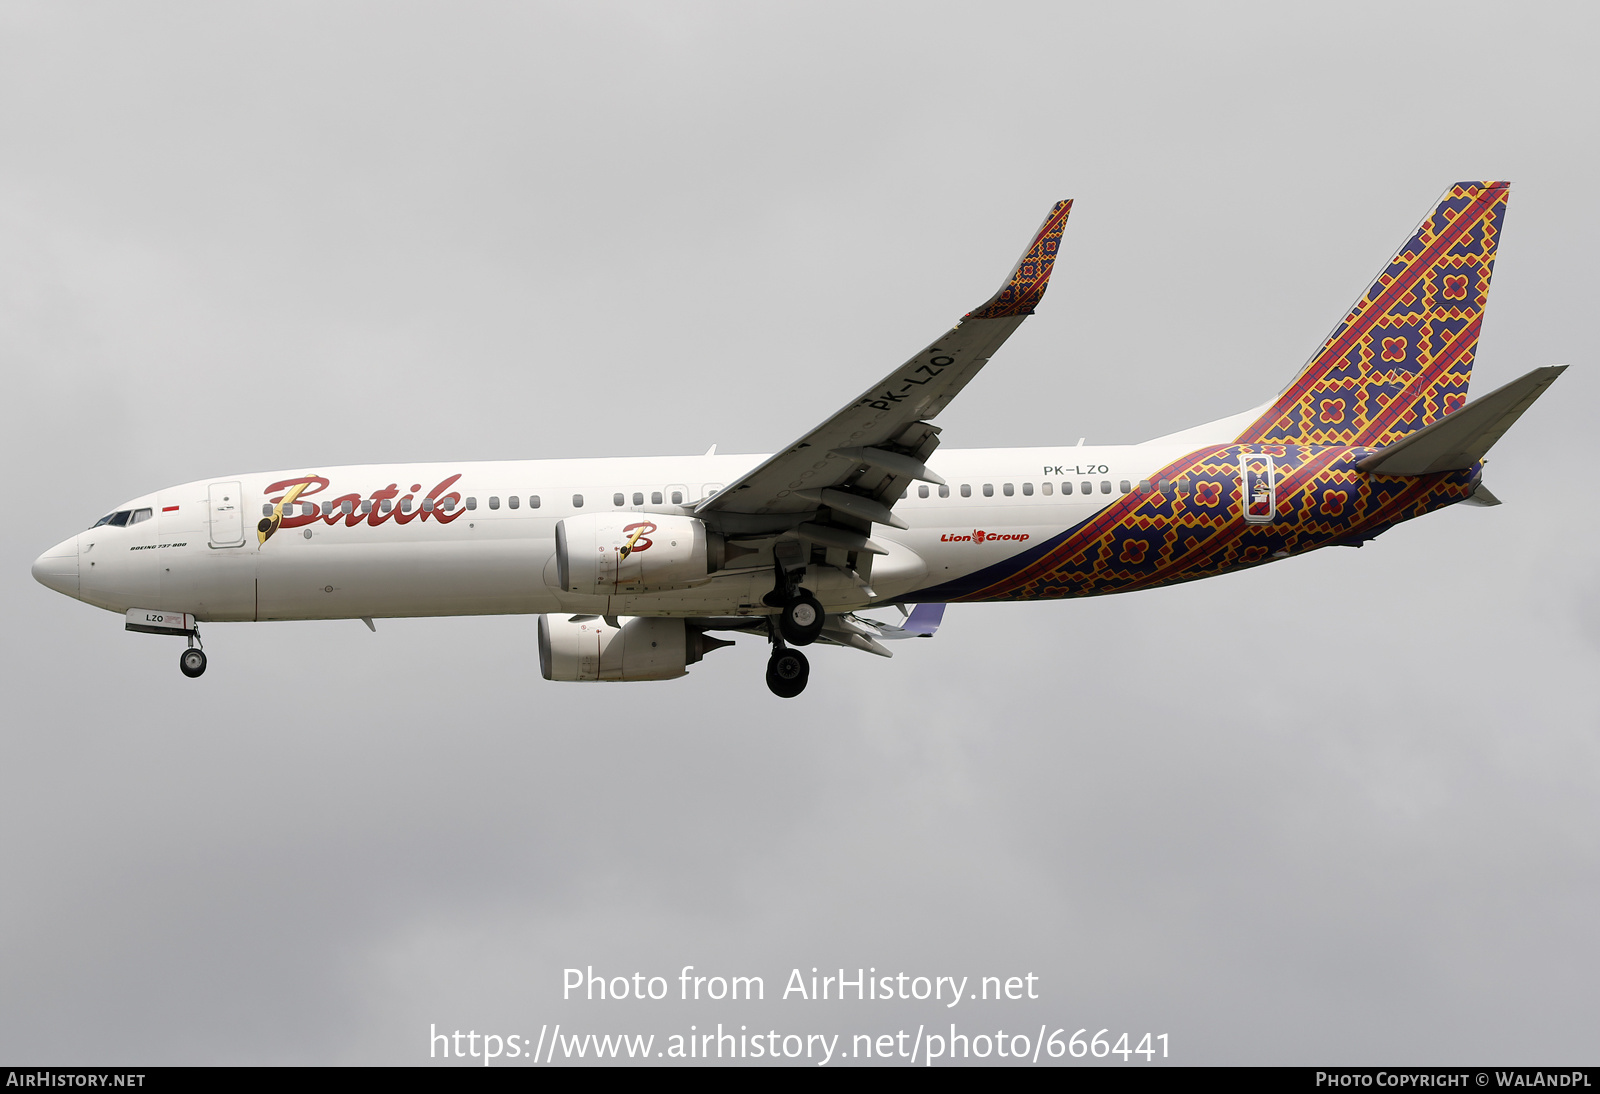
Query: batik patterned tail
{"x":1402,"y":357}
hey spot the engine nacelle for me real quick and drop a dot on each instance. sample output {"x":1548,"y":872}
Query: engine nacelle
{"x":640,"y":649}
{"x":604,"y":554}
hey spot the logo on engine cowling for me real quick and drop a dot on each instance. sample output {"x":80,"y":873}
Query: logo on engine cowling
{"x":979,"y":536}
{"x":637,"y":542}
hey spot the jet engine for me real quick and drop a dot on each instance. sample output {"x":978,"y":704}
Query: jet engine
{"x":604,"y":554}
{"x":640,"y":649}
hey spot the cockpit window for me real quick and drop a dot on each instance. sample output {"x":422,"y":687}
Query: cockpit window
{"x":103,"y":520}
{"x":120,"y":517}
{"x":139,"y":515}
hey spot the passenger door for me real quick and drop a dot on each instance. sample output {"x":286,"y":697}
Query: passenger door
{"x":227,"y":515}
{"x":1258,"y":478}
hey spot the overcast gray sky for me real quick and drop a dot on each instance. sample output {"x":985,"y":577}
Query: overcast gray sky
{"x":1340,"y":810}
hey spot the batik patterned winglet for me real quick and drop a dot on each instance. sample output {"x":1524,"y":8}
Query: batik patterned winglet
{"x":1022,"y":293}
{"x":1402,"y":357}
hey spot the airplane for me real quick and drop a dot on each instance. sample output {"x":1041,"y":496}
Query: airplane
{"x":634,"y":565}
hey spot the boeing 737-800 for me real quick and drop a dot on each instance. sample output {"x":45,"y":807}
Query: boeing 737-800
{"x":634,"y":564}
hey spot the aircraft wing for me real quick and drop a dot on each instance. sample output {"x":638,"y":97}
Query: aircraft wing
{"x":832,"y":484}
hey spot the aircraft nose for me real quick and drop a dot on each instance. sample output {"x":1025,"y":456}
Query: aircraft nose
{"x":57,"y":568}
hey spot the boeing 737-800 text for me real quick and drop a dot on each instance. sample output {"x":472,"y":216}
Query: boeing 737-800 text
{"x":634,"y":564}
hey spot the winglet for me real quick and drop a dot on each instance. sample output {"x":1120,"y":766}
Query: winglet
{"x":1023,"y":291}
{"x":925,"y":620}
{"x":922,"y":623}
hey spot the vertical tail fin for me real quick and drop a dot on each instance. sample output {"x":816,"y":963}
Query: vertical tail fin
{"x":1402,"y":357}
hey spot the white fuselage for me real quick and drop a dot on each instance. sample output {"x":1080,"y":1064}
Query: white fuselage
{"x":196,"y":553}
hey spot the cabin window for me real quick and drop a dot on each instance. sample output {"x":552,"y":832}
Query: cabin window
{"x":348,"y":506}
{"x":427,"y":505}
{"x":577,"y":501}
{"x":1125,"y":486}
{"x":472,"y":503}
{"x":388,"y":505}
{"x":1144,"y":486}
{"x":1027,"y":489}
{"x":966,"y":490}
{"x":448,"y":504}
{"x":1066,"y":488}
{"x":906,"y":493}
{"x":1086,"y":487}
{"x":618,"y":500}
{"x":944,"y":491}
{"x":1105,"y":486}
{"x":494,"y":501}
{"x":988,"y":489}
{"x":366,"y":506}
{"x":655,"y":497}
{"x":1045,"y":488}
{"x":266,"y":511}
{"x":677,"y":497}
{"x":638,"y":498}
{"x":1008,"y":490}
{"x":922,"y":491}
{"x":533,"y":501}
{"x":405,"y":505}
{"x":513,"y":501}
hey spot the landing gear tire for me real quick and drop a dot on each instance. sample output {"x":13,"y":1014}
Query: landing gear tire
{"x":192,"y":662}
{"x":787,"y":673}
{"x":801,"y":620}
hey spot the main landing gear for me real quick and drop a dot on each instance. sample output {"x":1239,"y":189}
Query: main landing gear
{"x":799,"y":623}
{"x":800,"y":615}
{"x":192,"y":661}
{"x":801,"y":619}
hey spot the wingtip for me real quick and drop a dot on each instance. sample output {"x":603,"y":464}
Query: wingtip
{"x":1031,"y":276}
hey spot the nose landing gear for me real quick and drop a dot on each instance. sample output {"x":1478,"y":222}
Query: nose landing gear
{"x":192,"y":661}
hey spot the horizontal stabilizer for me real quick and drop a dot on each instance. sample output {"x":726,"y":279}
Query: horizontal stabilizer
{"x":1458,"y":441}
